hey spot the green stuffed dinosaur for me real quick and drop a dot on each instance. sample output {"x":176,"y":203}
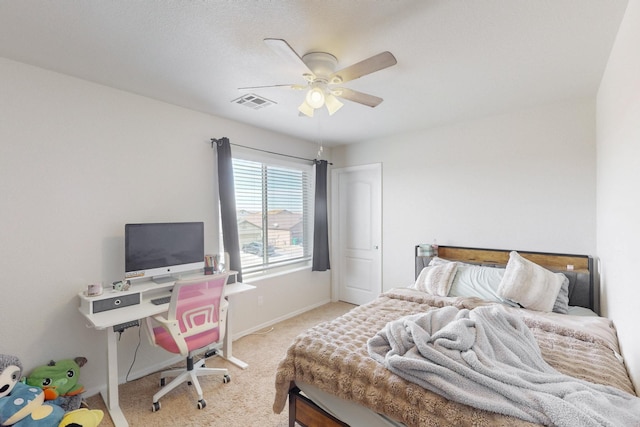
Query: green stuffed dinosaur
{"x":59,"y":380}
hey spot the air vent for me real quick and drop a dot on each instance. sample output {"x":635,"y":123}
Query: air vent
{"x":253,"y":101}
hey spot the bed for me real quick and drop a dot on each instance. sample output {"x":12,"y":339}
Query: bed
{"x":330,"y":378}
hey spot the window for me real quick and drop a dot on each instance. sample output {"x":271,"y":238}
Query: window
{"x":272,"y":203}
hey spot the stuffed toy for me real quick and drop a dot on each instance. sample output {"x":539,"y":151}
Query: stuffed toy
{"x":10,"y":375}
{"x":22,"y":405}
{"x":59,"y":380}
{"x":31,"y":411}
{"x":82,"y":418}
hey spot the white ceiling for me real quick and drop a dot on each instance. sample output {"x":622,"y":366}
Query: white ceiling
{"x":457,"y":59}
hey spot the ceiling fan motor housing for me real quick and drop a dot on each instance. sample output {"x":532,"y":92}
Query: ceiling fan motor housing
{"x":321,"y":63}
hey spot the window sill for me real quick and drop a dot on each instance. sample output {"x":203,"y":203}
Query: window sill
{"x":276,"y":272}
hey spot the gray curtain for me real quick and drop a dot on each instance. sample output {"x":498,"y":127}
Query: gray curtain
{"x":320,"y":221}
{"x":228,"y":205}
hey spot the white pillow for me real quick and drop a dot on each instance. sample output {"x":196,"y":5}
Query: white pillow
{"x":529,"y":284}
{"x":436,"y":280}
{"x":438,"y":261}
{"x":477,"y":281}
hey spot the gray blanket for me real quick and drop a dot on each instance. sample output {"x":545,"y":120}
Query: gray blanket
{"x":488,"y":358}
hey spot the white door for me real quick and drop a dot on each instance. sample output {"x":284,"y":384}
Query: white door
{"x":357,"y":218}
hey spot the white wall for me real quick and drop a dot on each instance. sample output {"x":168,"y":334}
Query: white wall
{"x":524,"y":180}
{"x":77,"y":162}
{"x":618,"y":154}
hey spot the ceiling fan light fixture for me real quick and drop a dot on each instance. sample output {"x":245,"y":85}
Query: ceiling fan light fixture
{"x":306,"y":109}
{"x":333,"y":104}
{"x":315,"y":97}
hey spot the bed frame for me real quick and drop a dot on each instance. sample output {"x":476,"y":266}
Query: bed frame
{"x":583,"y":291}
{"x":303,"y":411}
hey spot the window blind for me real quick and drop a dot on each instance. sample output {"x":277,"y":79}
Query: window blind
{"x":274,"y":219}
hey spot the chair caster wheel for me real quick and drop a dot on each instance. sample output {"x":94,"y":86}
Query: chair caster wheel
{"x":162,"y":382}
{"x":155,"y":407}
{"x":201,"y":404}
{"x":226,"y":379}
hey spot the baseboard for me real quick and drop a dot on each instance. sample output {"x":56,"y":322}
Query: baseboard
{"x":238,"y":335}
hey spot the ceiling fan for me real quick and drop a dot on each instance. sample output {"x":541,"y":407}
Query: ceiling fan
{"x":319,"y":71}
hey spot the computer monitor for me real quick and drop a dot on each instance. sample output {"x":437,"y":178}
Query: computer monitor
{"x":158,"y":250}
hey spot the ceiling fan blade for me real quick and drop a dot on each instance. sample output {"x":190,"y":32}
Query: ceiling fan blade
{"x":282,"y":48}
{"x":355,"y":96}
{"x":291,"y":86}
{"x":362,"y":68}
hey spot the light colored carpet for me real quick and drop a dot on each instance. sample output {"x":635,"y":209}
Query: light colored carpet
{"x":245,"y":401}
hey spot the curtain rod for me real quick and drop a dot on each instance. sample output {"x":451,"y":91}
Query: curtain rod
{"x":216,"y":141}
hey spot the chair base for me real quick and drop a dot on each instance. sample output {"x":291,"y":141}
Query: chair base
{"x":190,"y":375}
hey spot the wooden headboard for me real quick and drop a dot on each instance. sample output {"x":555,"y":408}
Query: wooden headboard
{"x":580,"y":269}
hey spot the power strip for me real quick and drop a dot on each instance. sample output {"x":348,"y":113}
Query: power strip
{"x":126,"y":325}
{"x":211,"y":352}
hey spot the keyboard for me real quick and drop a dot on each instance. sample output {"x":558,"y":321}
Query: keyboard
{"x":161,"y":300}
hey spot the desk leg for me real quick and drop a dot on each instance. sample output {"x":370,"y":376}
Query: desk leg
{"x":111,"y":395}
{"x":227,"y":344}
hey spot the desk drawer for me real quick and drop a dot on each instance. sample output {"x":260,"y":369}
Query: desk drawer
{"x":115,"y":302}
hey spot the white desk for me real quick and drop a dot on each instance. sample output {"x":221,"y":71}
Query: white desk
{"x":107,"y":319}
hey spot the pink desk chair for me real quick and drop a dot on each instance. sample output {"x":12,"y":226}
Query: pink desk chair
{"x":195,"y":320}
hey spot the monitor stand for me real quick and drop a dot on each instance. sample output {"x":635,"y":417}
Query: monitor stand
{"x":163,"y":279}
